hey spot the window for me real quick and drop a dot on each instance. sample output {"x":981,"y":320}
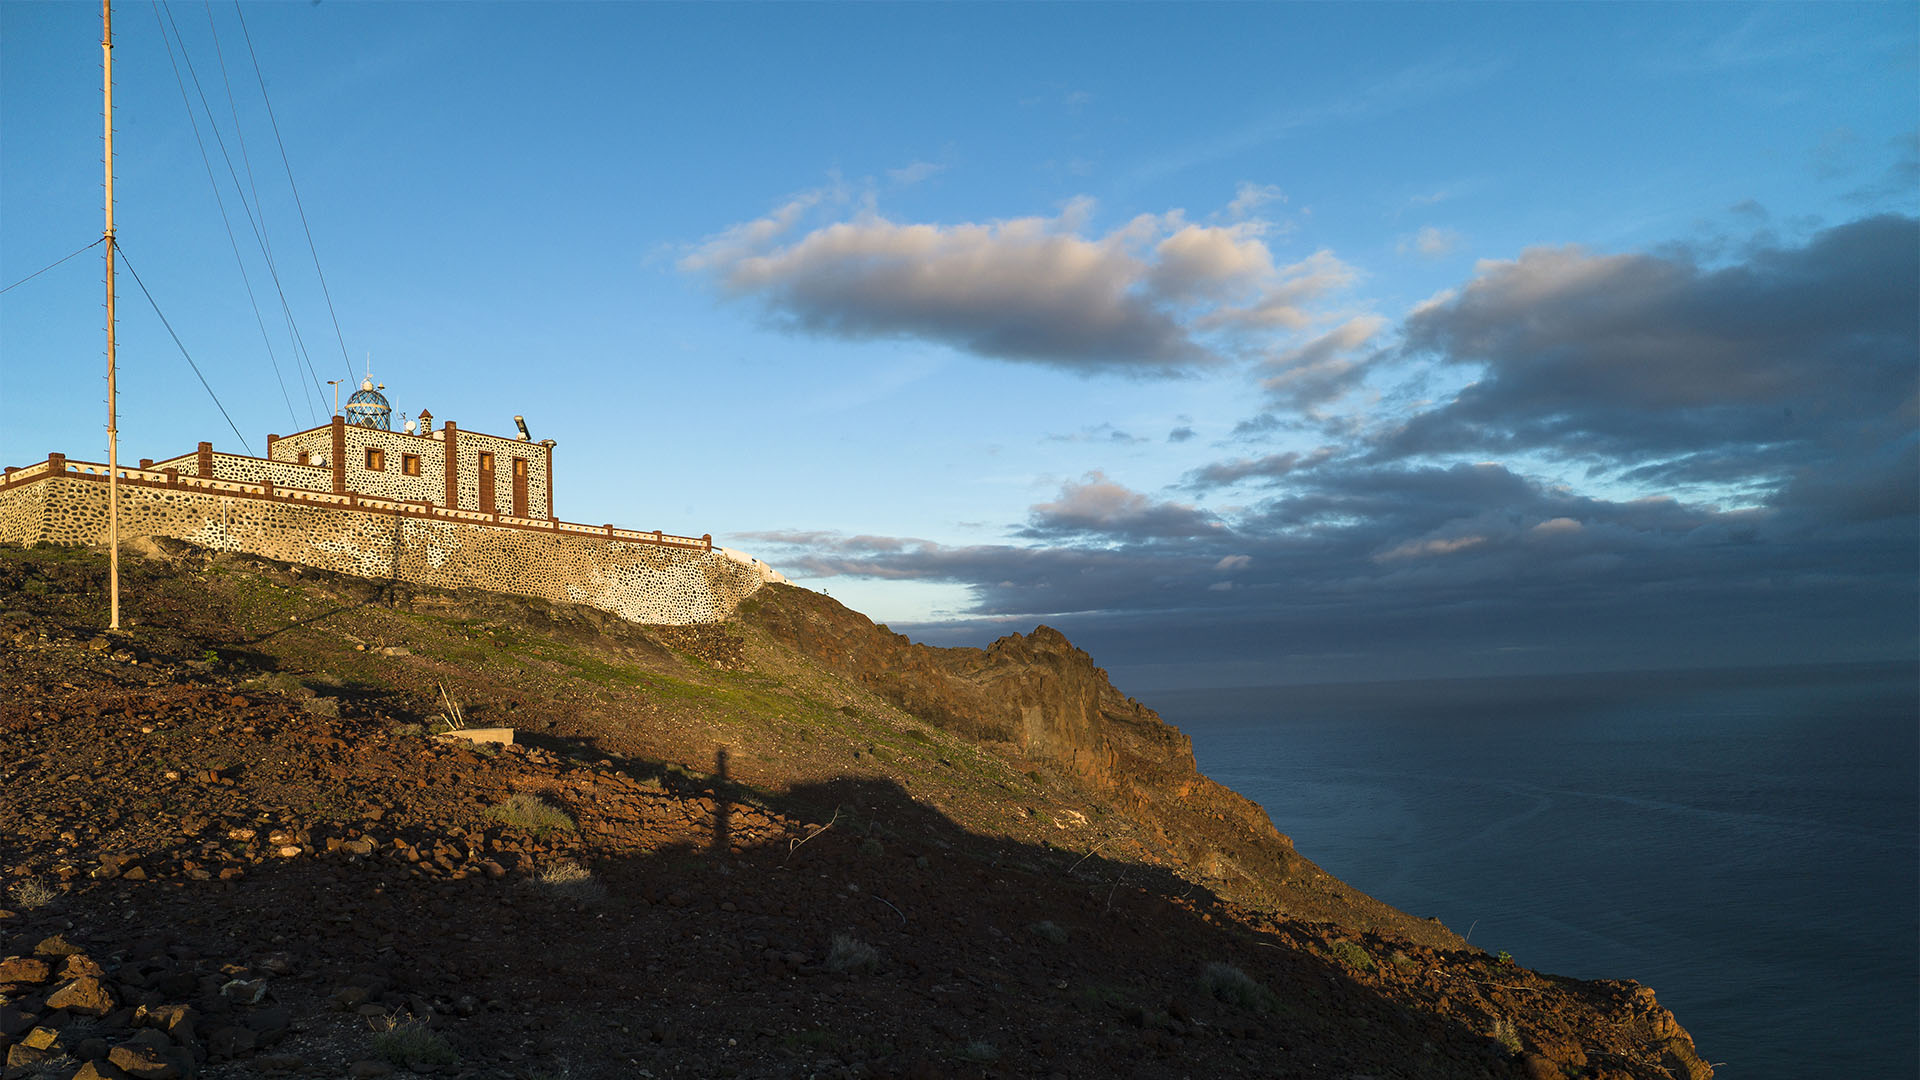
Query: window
{"x":305,"y":458}
{"x":519,"y":468}
{"x":486,"y":462}
{"x":410,"y":464}
{"x":376,"y":459}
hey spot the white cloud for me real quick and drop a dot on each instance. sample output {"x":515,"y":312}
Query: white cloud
{"x":1155,"y":295}
{"x":1229,"y":563}
{"x":1431,"y":242}
{"x":1249,"y":197}
{"x":914,"y":173}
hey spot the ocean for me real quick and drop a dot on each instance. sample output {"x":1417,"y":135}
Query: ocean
{"x":1745,"y":842}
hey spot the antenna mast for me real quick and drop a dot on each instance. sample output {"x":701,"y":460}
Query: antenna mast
{"x":113,"y":424}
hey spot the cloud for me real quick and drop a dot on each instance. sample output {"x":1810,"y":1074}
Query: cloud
{"x":1098,"y":507}
{"x":1099,"y":433}
{"x":1323,"y":368}
{"x":1249,"y":197}
{"x":914,"y":173}
{"x":1786,"y":376}
{"x":1793,"y":358}
{"x":1268,"y":469}
{"x":1425,"y":570}
{"x":1431,"y":242}
{"x":1180,"y":434}
{"x":1155,"y":296}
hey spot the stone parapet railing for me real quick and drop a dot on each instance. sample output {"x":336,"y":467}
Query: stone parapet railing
{"x":57,"y":465}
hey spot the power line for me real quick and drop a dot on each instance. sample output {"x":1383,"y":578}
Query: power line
{"x":183,"y":349}
{"x":50,"y":266}
{"x":233,"y":242}
{"x":239,"y":132}
{"x":273,"y":271}
{"x":296,"y":191}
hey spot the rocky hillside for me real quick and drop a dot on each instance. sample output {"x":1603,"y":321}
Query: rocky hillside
{"x":793,"y":845}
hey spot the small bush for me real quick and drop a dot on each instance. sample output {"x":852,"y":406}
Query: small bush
{"x":1235,"y":987}
{"x":411,"y":1042}
{"x":32,"y":893}
{"x":570,"y":879}
{"x":1503,"y":1033}
{"x":1046,"y":930}
{"x":850,"y":955}
{"x":1352,"y":955}
{"x":531,"y":813}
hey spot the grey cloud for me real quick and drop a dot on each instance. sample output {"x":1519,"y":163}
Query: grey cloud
{"x":1793,"y":358}
{"x":1098,"y":507}
{"x":1180,"y":434}
{"x":1397,"y":565}
{"x":1324,"y":368}
{"x":1269,"y":469}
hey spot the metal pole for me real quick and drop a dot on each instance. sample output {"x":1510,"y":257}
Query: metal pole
{"x":113,"y":423}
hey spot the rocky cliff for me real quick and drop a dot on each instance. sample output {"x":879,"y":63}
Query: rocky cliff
{"x":794,"y":845}
{"x":1039,"y":695}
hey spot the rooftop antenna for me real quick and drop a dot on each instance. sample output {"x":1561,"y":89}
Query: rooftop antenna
{"x":113,"y":425}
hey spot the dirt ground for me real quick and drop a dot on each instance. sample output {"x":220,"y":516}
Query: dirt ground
{"x":231,"y":846}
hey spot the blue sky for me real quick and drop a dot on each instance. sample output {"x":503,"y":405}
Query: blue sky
{"x":1245,"y":343}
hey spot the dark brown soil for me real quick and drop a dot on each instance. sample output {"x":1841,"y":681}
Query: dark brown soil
{"x":768,"y":869}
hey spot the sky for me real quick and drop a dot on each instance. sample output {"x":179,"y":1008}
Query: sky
{"x":1245,"y":344}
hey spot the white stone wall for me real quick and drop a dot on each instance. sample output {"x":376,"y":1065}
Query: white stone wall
{"x":468,"y":447}
{"x":253,"y":470}
{"x":392,"y":482}
{"x":318,"y":443}
{"x":644,"y":583}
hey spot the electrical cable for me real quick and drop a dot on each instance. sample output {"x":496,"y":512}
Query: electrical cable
{"x":50,"y":266}
{"x":324,"y":291}
{"x":273,"y":271}
{"x":182,"y":346}
{"x":239,"y":133}
{"x":227,"y":221}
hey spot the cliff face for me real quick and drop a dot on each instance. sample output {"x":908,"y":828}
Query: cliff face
{"x":1048,"y":700}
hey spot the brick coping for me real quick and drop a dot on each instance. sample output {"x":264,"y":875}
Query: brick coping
{"x":57,"y":466}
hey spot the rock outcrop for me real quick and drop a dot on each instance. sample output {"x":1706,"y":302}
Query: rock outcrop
{"x":1047,"y":699}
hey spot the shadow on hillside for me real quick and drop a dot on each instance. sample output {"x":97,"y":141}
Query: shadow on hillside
{"x":882,"y":938}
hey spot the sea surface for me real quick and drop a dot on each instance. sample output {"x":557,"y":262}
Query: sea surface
{"x":1745,"y":842}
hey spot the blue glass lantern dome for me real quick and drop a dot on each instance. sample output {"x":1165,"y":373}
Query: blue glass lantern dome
{"x":368,"y":407}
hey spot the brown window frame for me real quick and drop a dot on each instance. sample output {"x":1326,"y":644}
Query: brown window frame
{"x":486,"y":461}
{"x":376,"y":459}
{"x":520,"y":468}
{"x":306,"y":458}
{"x":410,"y":464}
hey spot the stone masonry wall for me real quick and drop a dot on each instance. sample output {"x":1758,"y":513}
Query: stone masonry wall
{"x":642,"y":582}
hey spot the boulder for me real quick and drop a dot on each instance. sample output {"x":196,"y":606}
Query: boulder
{"x":25,"y":970}
{"x":86,"y":995}
{"x":148,"y":1055}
